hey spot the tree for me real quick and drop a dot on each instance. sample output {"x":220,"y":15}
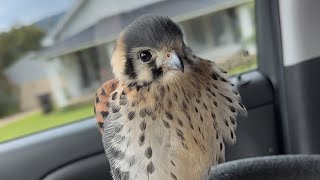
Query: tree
{"x":18,"y":41}
{"x":13,"y":45}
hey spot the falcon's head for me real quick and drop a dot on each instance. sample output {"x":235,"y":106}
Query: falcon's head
{"x":150,"y":49}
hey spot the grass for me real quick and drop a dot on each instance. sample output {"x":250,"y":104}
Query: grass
{"x":39,"y":122}
{"x":251,"y":65}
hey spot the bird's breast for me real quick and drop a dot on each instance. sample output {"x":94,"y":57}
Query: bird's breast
{"x":159,"y":133}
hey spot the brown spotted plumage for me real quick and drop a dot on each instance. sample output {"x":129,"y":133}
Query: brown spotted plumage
{"x":101,"y":106}
{"x":169,"y":113}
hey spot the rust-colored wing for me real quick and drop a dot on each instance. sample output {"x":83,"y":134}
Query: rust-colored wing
{"x":102,"y":100}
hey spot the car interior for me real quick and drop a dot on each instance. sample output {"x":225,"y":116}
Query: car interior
{"x":278,"y":139}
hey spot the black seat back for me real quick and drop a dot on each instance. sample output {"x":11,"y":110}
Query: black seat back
{"x":282,"y":167}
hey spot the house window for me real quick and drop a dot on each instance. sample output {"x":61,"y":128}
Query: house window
{"x":193,"y":30}
{"x":94,"y":60}
{"x":106,"y":51}
{"x":89,"y":66}
{"x":83,"y":69}
{"x":226,"y":37}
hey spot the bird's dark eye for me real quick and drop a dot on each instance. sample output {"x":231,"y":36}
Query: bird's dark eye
{"x":145,"y":56}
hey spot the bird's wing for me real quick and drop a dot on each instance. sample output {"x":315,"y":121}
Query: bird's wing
{"x":228,"y":105}
{"x":102,"y":100}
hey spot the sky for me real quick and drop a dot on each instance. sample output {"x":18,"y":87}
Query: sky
{"x":21,"y":12}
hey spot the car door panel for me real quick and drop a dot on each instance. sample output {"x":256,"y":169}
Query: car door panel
{"x":36,"y":155}
{"x":75,"y":151}
{"x":93,"y":167}
{"x":257,"y":134}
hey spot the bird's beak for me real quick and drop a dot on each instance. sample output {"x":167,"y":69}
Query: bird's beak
{"x":173,"y":63}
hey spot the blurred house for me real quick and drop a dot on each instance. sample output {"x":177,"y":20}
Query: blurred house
{"x":34,"y":78}
{"x":48,"y":23}
{"x":83,"y":40}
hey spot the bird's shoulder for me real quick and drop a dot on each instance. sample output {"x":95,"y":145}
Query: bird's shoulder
{"x":101,"y":108}
{"x":223,"y":94}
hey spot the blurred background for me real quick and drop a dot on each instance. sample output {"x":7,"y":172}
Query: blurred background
{"x":55,"y":54}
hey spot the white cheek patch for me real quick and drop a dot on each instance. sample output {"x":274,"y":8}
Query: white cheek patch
{"x":143,"y":72}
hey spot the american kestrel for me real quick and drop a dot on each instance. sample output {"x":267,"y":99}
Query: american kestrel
{"x":168,"y":113}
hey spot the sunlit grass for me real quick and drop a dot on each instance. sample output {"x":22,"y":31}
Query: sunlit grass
{"x":250,"y":65}
{"x":243,"y":68}
{"x":39,"y":122}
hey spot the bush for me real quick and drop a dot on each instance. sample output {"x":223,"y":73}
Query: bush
{"x":8,"y":98}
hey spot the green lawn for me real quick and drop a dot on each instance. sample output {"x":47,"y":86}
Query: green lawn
{"x":251,"y":65}
{"x":38,"y":121}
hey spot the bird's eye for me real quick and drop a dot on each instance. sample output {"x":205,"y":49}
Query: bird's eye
{"x":145,"y":56}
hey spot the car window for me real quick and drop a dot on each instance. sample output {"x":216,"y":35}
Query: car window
{"x":50,"y":68}
{"x":226,"y":37}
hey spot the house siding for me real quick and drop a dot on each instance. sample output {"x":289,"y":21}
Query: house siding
{"x":30,"y":91}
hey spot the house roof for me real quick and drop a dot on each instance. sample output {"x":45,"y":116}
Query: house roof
{"x":57,"y":29}
{"x":107,"y":29}
{"x":27,"y":69}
